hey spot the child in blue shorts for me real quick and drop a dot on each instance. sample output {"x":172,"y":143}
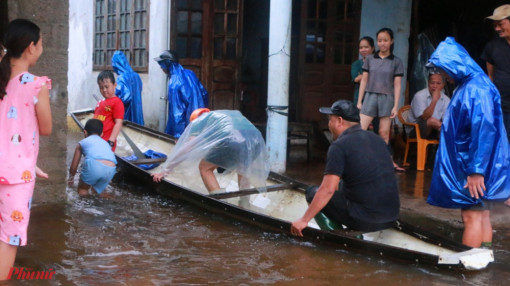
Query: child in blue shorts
{"x":99,"y":166}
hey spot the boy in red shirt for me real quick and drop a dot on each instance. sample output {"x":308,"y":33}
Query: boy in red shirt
{"x":110,"y":110}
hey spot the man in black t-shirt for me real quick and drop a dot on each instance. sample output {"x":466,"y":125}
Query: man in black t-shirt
{"x":359,"y":188}
{"x":496,"y":54}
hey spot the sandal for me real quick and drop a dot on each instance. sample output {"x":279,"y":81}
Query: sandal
{"x":397,"y":168}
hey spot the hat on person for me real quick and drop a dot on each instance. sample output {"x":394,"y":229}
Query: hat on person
{"x":343,"y":108}
{"x":430,"y":65}
{"x":432,"y":69}
{"x":197,"y":112}
{"x":500,"y":13}
{"x":167,"y":55}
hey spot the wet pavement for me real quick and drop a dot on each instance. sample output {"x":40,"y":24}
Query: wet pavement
{"x":413,"y":186}
{"x":139,"y":238}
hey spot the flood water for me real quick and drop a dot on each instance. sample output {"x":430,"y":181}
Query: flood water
{"x":139,"y":238}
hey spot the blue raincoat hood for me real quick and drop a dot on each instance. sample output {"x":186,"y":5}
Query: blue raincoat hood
{"x":473,"y":137}
{"x":185,"y":94}
{"x":129,"y":88}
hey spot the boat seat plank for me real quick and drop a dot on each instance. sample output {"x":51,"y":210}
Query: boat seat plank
{"x":147,"y":161}
{"x":273,"y":188}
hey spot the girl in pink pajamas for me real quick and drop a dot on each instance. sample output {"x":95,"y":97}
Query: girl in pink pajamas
{"x":24,"y":115}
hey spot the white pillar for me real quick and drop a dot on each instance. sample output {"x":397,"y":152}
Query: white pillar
{"x":156,"y":89}
{"x":280,"y":21}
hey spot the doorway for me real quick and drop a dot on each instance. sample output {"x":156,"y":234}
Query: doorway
{"x":207,"y":36}
{"x":328,"y":44}
{"x":434,"y":20}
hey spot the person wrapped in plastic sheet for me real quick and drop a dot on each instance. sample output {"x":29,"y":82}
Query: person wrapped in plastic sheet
{"x":185,"y":93}
{"x":129,"y":88}
{"x":472,"y":163}
{"x":221,"y":138}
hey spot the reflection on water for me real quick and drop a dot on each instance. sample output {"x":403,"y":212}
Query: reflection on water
{"x":138,"y":238}
{"x":415,"y":183}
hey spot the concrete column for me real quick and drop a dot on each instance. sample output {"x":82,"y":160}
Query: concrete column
{"x":280,"y":20}
{"x":156,"y":89}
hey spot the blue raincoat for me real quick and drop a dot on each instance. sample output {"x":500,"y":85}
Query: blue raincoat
{"x":473,"y":137}
{"x":129,"y":88}
{"x":185,"y":94}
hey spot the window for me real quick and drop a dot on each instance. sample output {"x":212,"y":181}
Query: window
{"x":121,"y":25}
{"x":188,"y":23}
{"x":226,"y":29}
{"x":331,"y":26}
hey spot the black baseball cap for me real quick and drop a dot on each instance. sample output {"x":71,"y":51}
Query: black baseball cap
{"x":167,"y":55}
{"x":343,"y":108}
{"x":430,"y":65}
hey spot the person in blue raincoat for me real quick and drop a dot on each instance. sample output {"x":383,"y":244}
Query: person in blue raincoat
{"x":129,"y":88}
{"x":472,"y":163}
{"x":185,"y":93}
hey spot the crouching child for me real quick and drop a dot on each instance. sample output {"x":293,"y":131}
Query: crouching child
{"x":99,"y":166}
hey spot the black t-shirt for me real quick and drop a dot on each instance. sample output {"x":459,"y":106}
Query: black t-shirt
{"x":497,"y":53}
{"x":362,"y":160}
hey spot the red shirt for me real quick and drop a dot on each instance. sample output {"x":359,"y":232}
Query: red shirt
{"x":107,"y":111}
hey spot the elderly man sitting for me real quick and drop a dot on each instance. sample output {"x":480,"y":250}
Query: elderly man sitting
{"x":429,"y":105}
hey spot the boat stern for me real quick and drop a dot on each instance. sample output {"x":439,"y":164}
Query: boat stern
{"x":473,"y":259}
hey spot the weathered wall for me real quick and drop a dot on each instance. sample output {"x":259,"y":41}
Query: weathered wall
{"x":52,"y":17}
{"x":82,"y":83}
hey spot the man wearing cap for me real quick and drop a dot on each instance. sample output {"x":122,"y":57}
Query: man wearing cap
{"x":429,"y":105}
{"x":359,"y":188}
{"x":185,"y":93}
{"x":496,"y":55}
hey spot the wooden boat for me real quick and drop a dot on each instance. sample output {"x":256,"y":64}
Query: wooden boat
{"x":284,"y":202}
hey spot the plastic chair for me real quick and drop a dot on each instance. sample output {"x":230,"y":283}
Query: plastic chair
{"x":422,"y":144}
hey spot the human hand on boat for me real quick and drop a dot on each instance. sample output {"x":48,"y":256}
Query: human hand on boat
{"x":476,"y":185}
{"x":297,"y":227}
{"x":158,"y":177}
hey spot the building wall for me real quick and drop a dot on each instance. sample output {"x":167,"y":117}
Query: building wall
{"x":82,"y":84}
{"x":52,"y":17}
{"x":376,"y":14}
{"x":82,"y":77}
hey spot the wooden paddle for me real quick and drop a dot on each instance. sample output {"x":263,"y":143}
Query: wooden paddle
{"x":273,"y":188}
{"x":139,"y":154}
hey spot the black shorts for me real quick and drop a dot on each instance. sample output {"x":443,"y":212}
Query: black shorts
{"x":232,"y":154}
{"x":225,"y":155}
{"x":337,"y":210}
{"x":485,"y":206}
{"x":425,"y":131}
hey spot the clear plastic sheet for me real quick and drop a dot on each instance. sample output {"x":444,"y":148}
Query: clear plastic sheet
{"x":225,"y":138}
{"x":419,"y":73}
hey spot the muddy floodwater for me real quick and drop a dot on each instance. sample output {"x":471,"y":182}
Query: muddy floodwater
{"x":139,"y":238}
